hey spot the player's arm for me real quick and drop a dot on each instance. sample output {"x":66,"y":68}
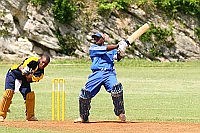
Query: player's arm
{"x":117,"y":56}
{"x":121,"y":48}
{"x":29,"y":77}
{"x":111,"y":47}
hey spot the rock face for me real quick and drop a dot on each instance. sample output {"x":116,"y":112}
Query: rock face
{"x":27,"y":30}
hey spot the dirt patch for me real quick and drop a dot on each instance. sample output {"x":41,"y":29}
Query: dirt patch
{"x":106,"y":127}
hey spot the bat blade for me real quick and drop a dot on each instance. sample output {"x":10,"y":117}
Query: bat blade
{"x":138,"y":33}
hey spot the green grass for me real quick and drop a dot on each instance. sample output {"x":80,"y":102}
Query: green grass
{"x":153,"y":91}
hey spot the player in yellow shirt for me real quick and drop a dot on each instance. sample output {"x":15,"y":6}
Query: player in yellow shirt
{"x":18,"y":78}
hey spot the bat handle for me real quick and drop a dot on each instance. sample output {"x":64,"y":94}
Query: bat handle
{"x":127,"y":42}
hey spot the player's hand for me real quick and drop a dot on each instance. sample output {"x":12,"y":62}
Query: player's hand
{"x":29,"y":77}
{"x":122,"y":47}
{"x":119,"y":57}
{"x":26,"y":70}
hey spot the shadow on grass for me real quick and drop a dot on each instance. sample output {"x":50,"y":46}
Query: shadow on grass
{"x":109,"y":122}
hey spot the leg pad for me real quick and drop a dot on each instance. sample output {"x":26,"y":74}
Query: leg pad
{"x":117,"y":97}
{"x":30,"y":105}
{"x":5,"y":102}
{"x":84,"y":104}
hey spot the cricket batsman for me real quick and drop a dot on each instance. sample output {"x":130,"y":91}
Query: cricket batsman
{"x":103,"y":74}
{"x":18,"y":78}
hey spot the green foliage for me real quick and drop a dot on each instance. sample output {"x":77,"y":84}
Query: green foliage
{"x":107,"y":6}
{"x":157,"y":37}
{"x":64,"y":10}
{"x":146,"y":5}
{"x":197,"y":32}
{"x":38,"y":2}
{"x":68,"y":43}
{"x":160,"y":35}
{"x":4,"y":32}
{"x":191,"y":7}
{"x":2,"y":14}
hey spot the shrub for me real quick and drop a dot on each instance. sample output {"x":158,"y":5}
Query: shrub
{"x":197,"y":32}
{"x":158,"y":38}
{"x":38,"y":2}
{"x":107,"y":6}
{"x":191,"y":7}
{"x":68,"y":43}
{"x":4,"y":32}
{"x":64,"y":10}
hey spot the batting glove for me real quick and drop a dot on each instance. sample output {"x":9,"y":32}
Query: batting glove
{"x":26,"y":70}
{"x":122,"y":47}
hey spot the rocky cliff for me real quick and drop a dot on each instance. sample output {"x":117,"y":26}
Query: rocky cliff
{"x":27,"y":30}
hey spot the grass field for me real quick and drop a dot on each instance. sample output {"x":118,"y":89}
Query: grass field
{"x":153,"y":92}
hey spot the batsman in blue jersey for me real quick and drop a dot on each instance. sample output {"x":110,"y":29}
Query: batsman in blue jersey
{"x":103,"y":73}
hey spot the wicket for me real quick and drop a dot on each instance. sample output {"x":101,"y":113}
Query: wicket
{"x":58,"y":86}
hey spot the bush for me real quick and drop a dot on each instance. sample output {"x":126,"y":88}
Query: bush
{"x":64,"y":10}
{"x":38,"y":2}
{"x":68,"y":43}
{"x":107,"y":6}
{"x":197,"y":32}
{"x":191,"y":7}
{"x":158,"y":38}
{"x":4,"y":32}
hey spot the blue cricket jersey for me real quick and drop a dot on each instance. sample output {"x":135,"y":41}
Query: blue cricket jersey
{"x":101,"y":58}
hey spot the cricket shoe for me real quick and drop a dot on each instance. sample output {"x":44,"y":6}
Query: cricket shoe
{"x":122,"y":117}
{"x":1,"y":119}
{"x":80,"y":120}
{"x":33,"y":118}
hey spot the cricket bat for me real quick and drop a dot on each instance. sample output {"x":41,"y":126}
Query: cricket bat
{"x":123,"y":44}
{"x":138,"y":33}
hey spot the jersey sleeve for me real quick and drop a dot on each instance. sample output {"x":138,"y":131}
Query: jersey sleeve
{"x":31,"y":62}
{"x":95,"y":50}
